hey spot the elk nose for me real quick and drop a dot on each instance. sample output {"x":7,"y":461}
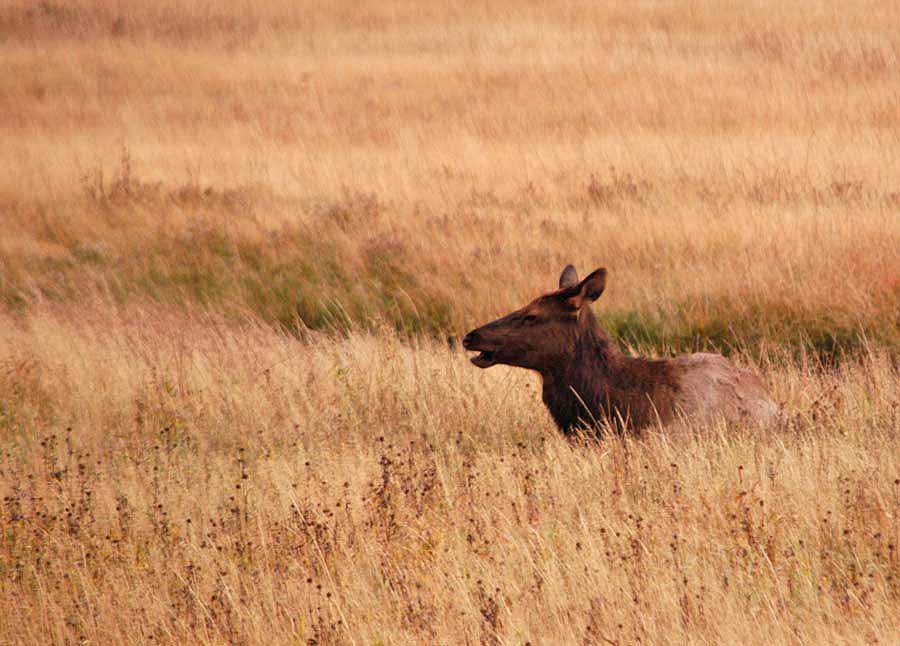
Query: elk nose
{"x":470,"y":339}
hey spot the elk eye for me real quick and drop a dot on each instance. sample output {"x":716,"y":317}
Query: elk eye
{"x":531,"y":318}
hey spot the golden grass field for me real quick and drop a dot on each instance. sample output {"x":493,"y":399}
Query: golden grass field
{"x":238,"y":244}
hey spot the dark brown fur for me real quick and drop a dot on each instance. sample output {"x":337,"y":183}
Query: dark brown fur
{"x":589,"y":382}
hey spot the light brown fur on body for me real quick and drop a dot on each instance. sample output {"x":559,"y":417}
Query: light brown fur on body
{"x":711,"y":385}
{"x":588,"y":381}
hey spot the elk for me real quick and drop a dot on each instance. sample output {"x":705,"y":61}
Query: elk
{"x":589,"y":383}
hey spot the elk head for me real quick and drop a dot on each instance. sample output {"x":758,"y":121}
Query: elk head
{"x":542,"y":335}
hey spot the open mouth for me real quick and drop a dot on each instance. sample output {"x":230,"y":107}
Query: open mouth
{"x":484,"y":359}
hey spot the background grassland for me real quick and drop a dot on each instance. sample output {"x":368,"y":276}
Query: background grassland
{"x":236,"y":241}
{"x":734,"y":167}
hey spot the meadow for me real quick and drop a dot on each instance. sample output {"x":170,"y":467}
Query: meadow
{"x":239,"y":244}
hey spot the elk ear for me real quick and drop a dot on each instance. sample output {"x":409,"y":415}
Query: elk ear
{"x":587,"y":291}
{"x":568,"y":277}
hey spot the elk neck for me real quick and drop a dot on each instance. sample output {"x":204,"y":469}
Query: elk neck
{"x":595,"y":363}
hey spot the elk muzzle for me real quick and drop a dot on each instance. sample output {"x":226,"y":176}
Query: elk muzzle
{"x":474,"y":342}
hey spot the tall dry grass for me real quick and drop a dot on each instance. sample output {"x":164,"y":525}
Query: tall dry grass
{"x":185,"y":480}
{"x":235,"y":241}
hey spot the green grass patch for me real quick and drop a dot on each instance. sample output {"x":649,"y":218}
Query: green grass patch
{"x":318,"y":276}
{"x":727,"y":327}
{"x":298,"y":278}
